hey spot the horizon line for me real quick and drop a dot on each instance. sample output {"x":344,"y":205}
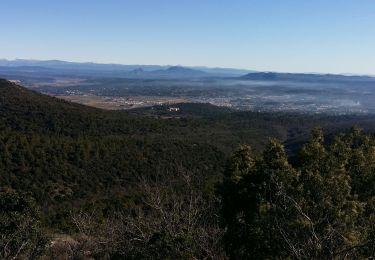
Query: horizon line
{"x":191,"y":66}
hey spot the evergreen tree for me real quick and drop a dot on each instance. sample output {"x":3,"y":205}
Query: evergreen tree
{"x":320,"y":208}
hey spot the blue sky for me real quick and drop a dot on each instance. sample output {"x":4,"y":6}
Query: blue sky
{"x":336,"y":36}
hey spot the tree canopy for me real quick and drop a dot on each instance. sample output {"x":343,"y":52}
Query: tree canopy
{"x":320,"y":207}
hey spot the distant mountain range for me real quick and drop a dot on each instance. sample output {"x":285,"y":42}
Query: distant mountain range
{"x":40,"y":68}
{"x":120,"y":70}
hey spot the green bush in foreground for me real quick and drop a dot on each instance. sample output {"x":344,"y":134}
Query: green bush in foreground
{"x":21,"y":236}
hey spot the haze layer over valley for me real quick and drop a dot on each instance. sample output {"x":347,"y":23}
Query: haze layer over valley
{"x":114,"y":86}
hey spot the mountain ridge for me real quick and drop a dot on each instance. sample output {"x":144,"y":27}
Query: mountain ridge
{"x":60,"y":64}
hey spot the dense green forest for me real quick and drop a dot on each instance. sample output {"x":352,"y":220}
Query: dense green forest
{"x":145,"y":184}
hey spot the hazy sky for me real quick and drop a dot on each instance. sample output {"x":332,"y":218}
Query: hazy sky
{"x":275,"y":35}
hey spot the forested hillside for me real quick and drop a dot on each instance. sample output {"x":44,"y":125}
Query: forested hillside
{"x":70,"y":162}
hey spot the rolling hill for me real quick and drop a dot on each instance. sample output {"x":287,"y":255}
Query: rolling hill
{"x":69,"y":156}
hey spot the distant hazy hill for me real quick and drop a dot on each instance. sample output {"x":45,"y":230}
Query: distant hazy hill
{"x":274,"y":76}
{"x":171,"y":72}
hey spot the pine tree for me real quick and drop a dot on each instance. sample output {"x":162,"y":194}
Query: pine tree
{"x":321,"y":208}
